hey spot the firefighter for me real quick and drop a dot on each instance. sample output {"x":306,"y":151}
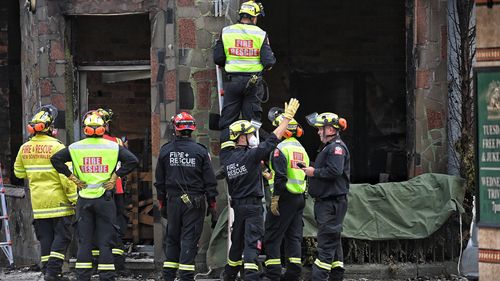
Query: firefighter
{"x":241,"y":157}
{"x":52,"y":195}
{"x":244,"y":52}
{"x":94,"y":160}
{"x":288,"y":186}
{"x":184,"y":181}
{"x":329,"y":186}
{"x":121,"y":221}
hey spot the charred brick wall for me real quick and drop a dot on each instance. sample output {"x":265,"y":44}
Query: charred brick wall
{"x":431,"y":87}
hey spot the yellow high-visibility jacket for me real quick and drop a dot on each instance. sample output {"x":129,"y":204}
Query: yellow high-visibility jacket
{"x":52,"y":194}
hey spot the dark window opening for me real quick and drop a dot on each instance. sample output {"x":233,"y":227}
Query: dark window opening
{"x":348,"y":58}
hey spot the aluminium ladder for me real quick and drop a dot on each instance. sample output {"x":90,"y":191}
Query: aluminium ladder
{"x":7,"y":245}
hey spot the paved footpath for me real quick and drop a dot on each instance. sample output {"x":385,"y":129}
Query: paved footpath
{"x":37,"y":276}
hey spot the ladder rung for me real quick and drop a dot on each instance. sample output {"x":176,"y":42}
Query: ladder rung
{"x":4,"y":217}
{"x":6,"y":243}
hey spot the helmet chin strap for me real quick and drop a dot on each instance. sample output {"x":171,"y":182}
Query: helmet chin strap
{"x":248,"y":141}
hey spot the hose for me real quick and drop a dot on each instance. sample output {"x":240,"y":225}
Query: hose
{"x":265,"y":96}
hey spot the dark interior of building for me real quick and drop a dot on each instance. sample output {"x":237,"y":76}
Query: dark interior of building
{"x":346,"y":57}
{"x":115,"y":79}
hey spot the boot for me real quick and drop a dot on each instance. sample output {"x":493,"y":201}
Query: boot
{"x":58,"y":277}
{"x":226,"y":277}
{"x":337,"y":274}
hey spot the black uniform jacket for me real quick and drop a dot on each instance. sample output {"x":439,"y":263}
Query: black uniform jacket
{"x":331,"y":171}
{"x":279,"y":164}
{"x":184,"y":166}
{"x":243,"y":168}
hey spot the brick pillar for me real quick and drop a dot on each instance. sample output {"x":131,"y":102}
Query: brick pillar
{"x":430,"y":87}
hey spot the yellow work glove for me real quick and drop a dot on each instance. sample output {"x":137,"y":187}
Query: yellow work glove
{"x":111,"y":183}
{"x":79,"y":184}
{"x":291,"y":108}
{"x":274,"y":205}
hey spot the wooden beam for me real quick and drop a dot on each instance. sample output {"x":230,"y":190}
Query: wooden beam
{"x":134,"y":190}
{"x":14,"y":191}
{"x":146,"y":219}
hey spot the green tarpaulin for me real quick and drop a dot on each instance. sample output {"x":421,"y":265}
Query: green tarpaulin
{"x":412,"y":209}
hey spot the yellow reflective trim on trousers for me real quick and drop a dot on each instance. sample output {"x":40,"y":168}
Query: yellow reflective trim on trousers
{"x":186,"y":267}
{"x":83,"y":265}
{"x":95,"y":252}
{"x":272,"y":262}
{"x":44,"y":258}
{"x":322,"y":265}
{"x":249,"y":265}
{"x":169,"y":264}
{"x":337,"y":264}
{"x":295,"y":260}
{"x":234,"y":263}
{"x":57,"y":255}
{"x":116,"y":251}
{"x":106,"y":266}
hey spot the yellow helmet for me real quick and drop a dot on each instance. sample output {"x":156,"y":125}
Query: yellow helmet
{"x":106,"y":114}
{"x":228,"y":144}
{"x":325,"y":119}
{"x":292,"y":129}
{"x":252,"y":8}
{"x":43,"y":120}
{"x":240,"y":127}
{"x":93,"y":124}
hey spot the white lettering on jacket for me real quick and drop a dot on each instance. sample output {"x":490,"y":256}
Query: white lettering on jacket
{"x":181,"y":159}
{"x":235,"y":170}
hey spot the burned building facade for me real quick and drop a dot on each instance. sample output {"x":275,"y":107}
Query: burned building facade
{"x":381,"y":64}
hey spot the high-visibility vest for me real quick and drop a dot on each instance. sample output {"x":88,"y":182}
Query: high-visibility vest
{"x":94,"y":160}
{"x":242,"y":44}
{"x":294,"y":153}
{"x":52,"y":194}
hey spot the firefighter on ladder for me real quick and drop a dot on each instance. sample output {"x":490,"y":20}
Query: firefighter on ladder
{"x":288,"y":186}
{"x":121,"y":220}
{"x":52,"y":195}
{"x":329,"y":186}
{"x":95,"y":159}
{"x":244,"y":52}
{"x":242,"y":158}
{"x":184,"y":181}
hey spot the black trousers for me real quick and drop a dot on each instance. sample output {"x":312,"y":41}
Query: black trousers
{"x":288,"y":226}
{"x":184,"y":227}
{"x":329,"y":216}
{"x":121,"y":222}
{"x":54,"y":235}
{"x":246,"y":239}
{"x":96,"y":218}
{"x":238,"y":99}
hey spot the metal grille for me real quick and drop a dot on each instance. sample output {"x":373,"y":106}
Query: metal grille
{"x":443,"y":245}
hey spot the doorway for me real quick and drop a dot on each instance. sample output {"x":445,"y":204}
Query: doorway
{"x":113,"y":72}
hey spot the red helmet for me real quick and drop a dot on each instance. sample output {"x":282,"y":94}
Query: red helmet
{"x":184,"y":121}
